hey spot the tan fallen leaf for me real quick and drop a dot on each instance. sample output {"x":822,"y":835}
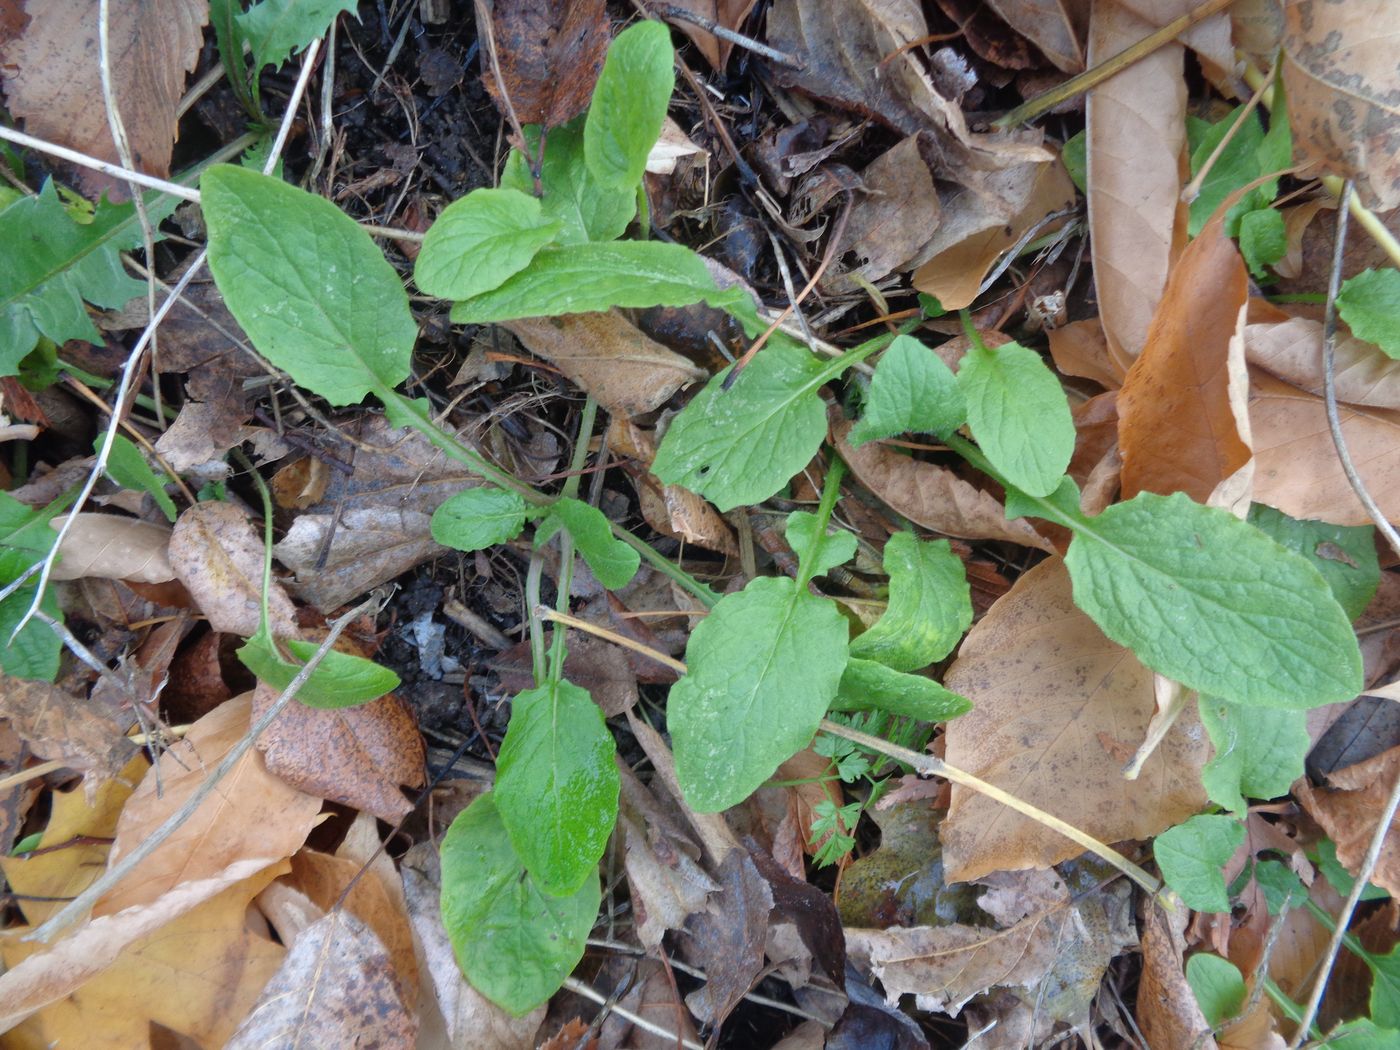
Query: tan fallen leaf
{"x":1057,"y":705}
{"x":1292,"y":351}
{"x":53,"y":81}
{"x":1051,"y":25}
{"x":673,"y":145}
{"x":219,"y":558}
{"x":338,"y":558}
{"x":1080,"y":348}
{"x":112,"y":547}
{"x":1167,"y":1010}
{"x":56,"y":724}
{"x":253,"y":814}
{"x":334,"y":988}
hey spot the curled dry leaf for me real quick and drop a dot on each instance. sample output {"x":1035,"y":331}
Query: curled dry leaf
{"x":219,"y":558}
{"x":1348,"y":812}
{"x":727,"y":938}
{"x":933,"y":496}
{"x":1136,"y":148}
{"x":628,"y":372}
{"x":1056,"y":703}
{"x":53,"y":78}
{"x":56,"y":724}
{"x":1291,"y":350}
{"x":334,"y":988}
{"x":1167,"y":1010}
{"x":1339,"y":72}
{"x":1182,"y":421}
{"x":111,"y":547}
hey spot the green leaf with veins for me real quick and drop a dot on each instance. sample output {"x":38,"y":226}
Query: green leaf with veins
{"x":1370,"y":305}
{"x":613,"y":562}
{"x":481,"y":240}
{"x":33,"y":653}
{"x":739,"y":446}
{"x":836,"y":548}
{"x":1344,"y":554}
{"x":314,"y":294}
{"x":340,"y":679}
{"x":515,"y":943}
{"x":1259,"y":752}
{"x":129,"y":469}
{"x":629,"y":104}
{"x":1192,"y":857}
{"x":586,"y":209}
{"x":764,"y":666}
{"x":477,"y":518}
{"x":867,"y":685}
{"x":912,"y":390}
{"x":930,"y":605}
{"x":1263,"y":240}
{"x":557,"y":785}
{"x":1362,"y":1034}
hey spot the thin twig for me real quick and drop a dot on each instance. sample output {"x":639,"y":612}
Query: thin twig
{"x":544,"y":612}
{"x":19,"y":138}
{"x":83,"y":903}
{"x":709,"y":25}
{"x":576,"y":986}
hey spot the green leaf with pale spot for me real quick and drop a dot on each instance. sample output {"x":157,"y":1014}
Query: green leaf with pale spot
{"x":515,"y":943}
{"x":613,"y":562}
{"x":1018,"y":414}
{"x":739,"y":446}
{"x":764,"y":666}
{"x":276,"y":28}
{"x":314,"y":294}
{"x":836,"y":548}
{"x":1218,"y":985}
{"x":1192,"y":857}
{"x":586,"y":209}
{"x":1259,"y":751}
{"x":557,"y":785}
{"x":481,"y":240}
{"x":129,"y":469}
{"x":867,"y":685}
{"x":1213,"y":603}
{"x":477,"y":518}
{"x":629,"y":104}
{"x":912,"y":390}
{"x":930,"y":605}
{"x":1370,"y":305}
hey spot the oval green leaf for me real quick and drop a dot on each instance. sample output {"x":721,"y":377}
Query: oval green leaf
{"x":912,"y":390}
{"x":613,"y":562}
{"x":867,"y":685}
{"x":478,"y":518}
{"x":479,"y":241}
{"x":629,"y":104}
{"x":930,"y":605}
{"x":340,"y":679}
{"x":1192,"y":857}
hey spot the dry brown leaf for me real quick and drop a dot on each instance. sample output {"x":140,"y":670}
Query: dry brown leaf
{"x":1136,"y":149}
{"x":549,"y":54}
{"x":1292,"y":351}
{"x":626,"y":371}
{"x":356,"y":756}
{"x":334,"y":988}
{"x":56,"y":724}
{"x":1295,"y":463}
{"x":53,"y":78}
{"x":1080,"y":348}
{"x":1348,"y":813}
{"x":989,"y":226}
{"x":933,"y":496}
{"x":111,"y":547}
{"x":1054,"y":704}
{"x":300,"y":483}
{"x":338,"y":558}
{"x":471,"y":1020}
{"x":1167,"y":1010}
{"x":1339,"y":72}
{"x":1054,"y":26}
{"x":1182,"y":425}
{"x":729,"y":14}
{"x":726,"y":939}
{"x":219,"y":558}
{"x":252,"y":815}
{"x":150,"y":950}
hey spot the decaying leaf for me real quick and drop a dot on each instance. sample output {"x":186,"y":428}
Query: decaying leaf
{"x":1348,"y":811}
{"x":1291,"y":350}
{"x":56,"y":724}
{"x":728,"y":13}
{"x":549,"y":55}
{"x":336,"y":559}
{"x":727,"y":938}
{"x":1167,"y":1009}
{"x":1054,"y":26}
{"x":1055,"y":703}
{"x":219,"y":558}
{"x":111,"y":547}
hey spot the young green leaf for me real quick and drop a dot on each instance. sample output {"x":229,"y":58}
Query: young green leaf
{"x":1218,"y":985}
{"x":515,"y":943}
{"x":309,"y":287}
{"x":1075,"y":156}
{"x":1370,"y":305}
{"x":741,"y":445}
{"x":612,"y":560}
{"x":557,"y":785}
{"x":930,"y":605}
{"x":1263,"y":239}
{"x":764,"y":667}
{"x":129,"y":469}
{"x":1344,"y":554}
{"x":275,"y":28}
{"x":1385,"y":987}
{"x":1213,"y":603}
{"x":581,"y":278}
{"x":836,"y":548}
{"x":912,"y":390}
{"x":867,"y":685}
{"x":53,"y":263}
{"x":1279,"y":884}
{"x":340,"y":679}
{"x":477,"y":518}
{"x":587,"y":210}
{"x":25,"y":536}
{"x":1237,"y":165}
{"x":481,"y":240}
{"x":1259,"y":752}
{"x":1192,"y":857}
{"x":1019,"y":415}
{"x":34,"y":652}
{"x":629,"y":104}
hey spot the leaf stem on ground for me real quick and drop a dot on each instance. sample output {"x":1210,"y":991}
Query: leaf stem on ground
{"x":557,"y":650}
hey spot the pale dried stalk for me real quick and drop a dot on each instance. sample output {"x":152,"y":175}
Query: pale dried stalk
{"x":576,"y":986}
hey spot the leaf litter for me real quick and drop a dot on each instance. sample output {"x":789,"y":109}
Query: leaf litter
{"x":866,"y":170}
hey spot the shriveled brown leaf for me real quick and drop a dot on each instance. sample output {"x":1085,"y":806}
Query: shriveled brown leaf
{"x":651,"y":995}
{"x":338,"y":558}
{"x":626,"y":371}
{"x":53,"y":78}
{"x":219,"y":558}
{"x":1054,"y":705}
{"x":729,"y":14}
{"x":1296,"y":466}
{"x":1292,"y":351}
{"x":300,"y":483}
{"x":1167,"y":1010}
{"x":57,"y":724}
{"x":112,"y":547}
{"x":1054,"y":26}
{"x":1136,"y":149}
{"x":727,"y":938}
{"x":334,"y":988}
{"x":1182,"y":425}
{"x":1339,"y":72}
{"x":549,"y":54}
{"x":1348,"y":812}
{"x":934,"y":496}
{"x":356,"y":756}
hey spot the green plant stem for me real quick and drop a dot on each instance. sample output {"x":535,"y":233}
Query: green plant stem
{"x":557,"y":650}
{"x":663,"y":565}
{"x":831,"y":491}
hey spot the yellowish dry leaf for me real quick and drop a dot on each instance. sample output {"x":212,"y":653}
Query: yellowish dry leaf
{"x":111,"y":547}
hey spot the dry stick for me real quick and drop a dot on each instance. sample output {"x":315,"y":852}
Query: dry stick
{"x":83,"y":903}
{"x":709,"y":25}
{"x":43,"y":769}
{"x":576,"y":986}
{"x":923,"y":763}
{"x":1334,"y":423}
{"x":1033,"y":108}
